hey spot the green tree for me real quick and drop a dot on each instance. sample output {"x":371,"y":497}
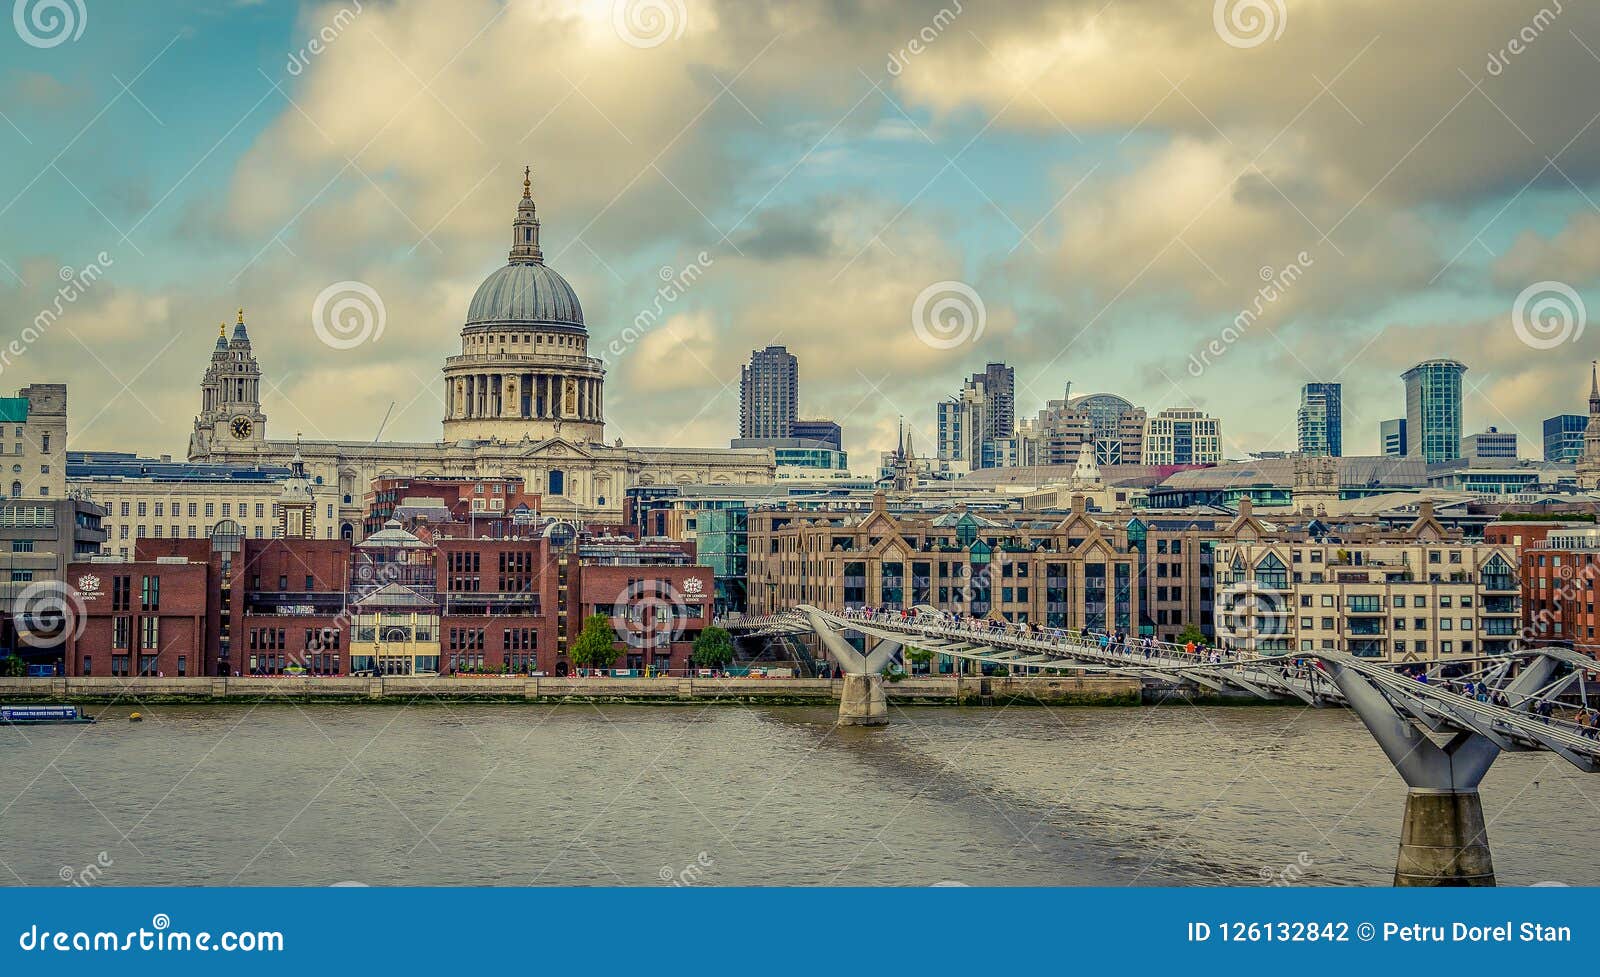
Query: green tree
{"x":713,"y":648}
{"x":918,"y":656}
{"x":596,"y":646}
{"x":12,"y":667}
{"x":1190,"y":633}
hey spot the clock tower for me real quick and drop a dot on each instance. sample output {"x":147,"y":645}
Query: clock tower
{"x":230,"y":397}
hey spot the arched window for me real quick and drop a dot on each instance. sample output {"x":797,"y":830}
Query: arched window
{"x":16,"y":490}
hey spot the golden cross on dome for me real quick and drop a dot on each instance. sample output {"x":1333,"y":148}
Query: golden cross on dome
{"x":222,"y":329}
{"x":527,"y":183}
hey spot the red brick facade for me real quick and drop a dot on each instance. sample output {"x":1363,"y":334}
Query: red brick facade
{"x":282,"y":605}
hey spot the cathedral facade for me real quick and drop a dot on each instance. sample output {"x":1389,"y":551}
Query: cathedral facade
{"x":523,"y":399}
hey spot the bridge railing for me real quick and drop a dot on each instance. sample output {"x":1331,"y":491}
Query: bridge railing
{"x":1045,"y":639}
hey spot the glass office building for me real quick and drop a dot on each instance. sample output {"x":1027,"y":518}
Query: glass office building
{"x":1563,"y":437}
{"x":1321,"y":421}
{"x":1433,"y":410}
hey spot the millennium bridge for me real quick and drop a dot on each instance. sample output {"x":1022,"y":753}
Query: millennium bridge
{"x":1442,"y":724}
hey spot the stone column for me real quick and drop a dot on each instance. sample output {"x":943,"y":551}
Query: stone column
{"x":862,"y":702}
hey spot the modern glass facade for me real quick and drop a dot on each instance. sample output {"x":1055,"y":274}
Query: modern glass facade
{"x":1433,"y":410}
{"x":1321,"y":420}
{"x":1563,"y":437}
{"x":722,"y":540}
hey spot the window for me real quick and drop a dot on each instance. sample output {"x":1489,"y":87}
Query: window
{"x":88,"y":665}
{"x":150,"y":594}
{"x":22,"y":546}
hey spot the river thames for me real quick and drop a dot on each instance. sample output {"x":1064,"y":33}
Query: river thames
{"x":726,"y":795}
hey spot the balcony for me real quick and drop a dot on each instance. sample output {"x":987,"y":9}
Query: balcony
{"x":1366,"y":627}
{"x":1364,"y":604}
{"x":1500,"y":605}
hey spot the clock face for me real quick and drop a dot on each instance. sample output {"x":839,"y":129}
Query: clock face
{"x":242,"y":427}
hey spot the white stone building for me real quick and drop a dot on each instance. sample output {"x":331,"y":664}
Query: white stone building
{"x":524,"y":398}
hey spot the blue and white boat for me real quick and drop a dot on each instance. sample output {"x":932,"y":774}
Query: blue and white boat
{"x":42,"y":715}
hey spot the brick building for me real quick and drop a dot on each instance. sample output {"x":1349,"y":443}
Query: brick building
{"x":396,"y":603}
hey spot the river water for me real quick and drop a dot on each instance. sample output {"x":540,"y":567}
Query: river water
{"x":730,"y":795}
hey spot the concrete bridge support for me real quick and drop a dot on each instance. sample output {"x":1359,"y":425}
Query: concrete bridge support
{"x":863,"y":702}
{"x":1443,"y":841}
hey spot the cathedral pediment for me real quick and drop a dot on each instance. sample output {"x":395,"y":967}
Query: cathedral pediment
{"x":557,"y":448}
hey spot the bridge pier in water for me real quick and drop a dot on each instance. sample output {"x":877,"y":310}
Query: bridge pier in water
{"x":1444,"y":840}
{"x":863,"y":702}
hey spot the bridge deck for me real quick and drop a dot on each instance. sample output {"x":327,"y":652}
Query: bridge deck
{"x":1514,"y":718}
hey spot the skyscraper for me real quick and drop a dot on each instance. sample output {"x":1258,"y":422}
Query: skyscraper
{"x":1433,"y":410}
{"x":1392,"y":437}
{"x":1321,"y":420}
{"x":769,"y":394}
{"x":1000,"y":389}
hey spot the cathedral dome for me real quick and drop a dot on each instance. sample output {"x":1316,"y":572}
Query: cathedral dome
{"x":525,"y":293}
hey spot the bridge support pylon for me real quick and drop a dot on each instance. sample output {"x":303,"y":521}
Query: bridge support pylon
{"x":862,"y":702}
{"x":1443,"y":841}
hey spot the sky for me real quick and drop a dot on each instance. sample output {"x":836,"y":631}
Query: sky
{"x":1183,"y":202}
